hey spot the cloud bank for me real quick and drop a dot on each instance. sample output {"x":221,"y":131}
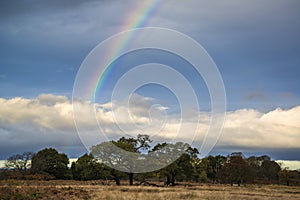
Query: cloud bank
{"x":48,"y":121}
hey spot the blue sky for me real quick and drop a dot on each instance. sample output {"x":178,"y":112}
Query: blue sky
{"x":254,"y":43}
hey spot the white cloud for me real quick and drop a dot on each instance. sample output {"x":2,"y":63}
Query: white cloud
{"x":289,"y":164}
{"x":251,"y":128}
{"x":49,"y":118}
{"x":50,"y":99}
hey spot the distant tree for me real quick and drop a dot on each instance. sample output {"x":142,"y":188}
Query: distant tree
{"x":201,"y":166}
{"x":111,"y":156}
{"x":51,"y":162}
{"x":284,"y":177}
{"x":20,"y":162}
{"x":255,"y":164}
{"x":209,"y":168}
{"x":270,"y":170}
{"x":289,"y":177}
{"x":183,"y":167}
{"x":218,"y":165}
{"x":236,"y":170}
{"x":255,"y":167}
{"x":87,"y":168}
{"x":237,"y":154}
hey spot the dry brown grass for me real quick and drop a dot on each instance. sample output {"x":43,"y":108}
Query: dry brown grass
{"x":196,"y":192}
{"x":95,"y":190}
{"x":42,"y":192}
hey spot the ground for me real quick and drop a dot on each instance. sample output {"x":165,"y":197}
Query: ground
{"x":12,"y":189}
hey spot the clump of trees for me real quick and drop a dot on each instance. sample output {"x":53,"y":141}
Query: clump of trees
{"x":87,"y":168}
{"x":108,"y":155}
{"x":289,"y":177}
{"x":180,"y":170}
{"x":235,"y":170}
{"x":49,"y":161}
{"x":232,"y":169}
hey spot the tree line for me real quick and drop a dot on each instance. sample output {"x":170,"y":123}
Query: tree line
{"x":232,"y":169}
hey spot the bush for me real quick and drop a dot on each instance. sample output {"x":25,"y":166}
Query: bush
{"x":11,"y":174}
{"x":45,"y":177}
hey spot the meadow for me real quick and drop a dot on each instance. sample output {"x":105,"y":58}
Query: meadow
{"x":55,"y":189}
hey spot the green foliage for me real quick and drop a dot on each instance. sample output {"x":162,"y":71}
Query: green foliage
{"x":212,"y":166}
{"x":142,"y":142}
{"x":182,"y":168}
{"x":51,"y":162}
{"x":109,"y":154}
{"x":289,"y":178}
{"x":270,"y":170}
{"x":87,"y":168}
{"x":203,"y":177}
{"x":236,"y":170}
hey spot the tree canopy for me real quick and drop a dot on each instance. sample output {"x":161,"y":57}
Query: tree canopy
{"x":187,"y":165}
{"x":51,"y":162}
{"x":20,"y":162}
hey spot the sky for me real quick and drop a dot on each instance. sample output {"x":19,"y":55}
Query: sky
{"x":254,"y":43}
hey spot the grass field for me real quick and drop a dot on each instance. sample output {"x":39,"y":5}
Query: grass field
{"x":28,"y":190}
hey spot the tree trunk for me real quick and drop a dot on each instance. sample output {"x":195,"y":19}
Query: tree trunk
{"x":117,"y":181}
{"x":130,"y":178}
{"x":167,"y":181}
{"x":116,"y":178}
{"x":173,"y":179}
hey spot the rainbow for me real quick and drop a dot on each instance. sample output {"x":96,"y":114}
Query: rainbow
{"x":139,"y":18}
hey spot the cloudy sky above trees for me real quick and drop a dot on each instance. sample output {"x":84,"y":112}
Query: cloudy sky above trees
{"x":254,"y":43}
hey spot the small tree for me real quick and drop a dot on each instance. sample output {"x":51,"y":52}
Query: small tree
{"x":270,"y":170}
{"x":51,"y":162}
{"x":20,"y":162}
{"x":87,"y":168}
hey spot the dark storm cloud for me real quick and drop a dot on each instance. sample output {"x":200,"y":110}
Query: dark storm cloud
{"x":40,"y":41}
{"x":22,"y":7}
{"x":254,"y":43}
{"x":57,"y":23}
